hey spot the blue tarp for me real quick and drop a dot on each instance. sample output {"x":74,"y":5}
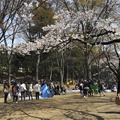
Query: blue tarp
{"x":46,"y":92}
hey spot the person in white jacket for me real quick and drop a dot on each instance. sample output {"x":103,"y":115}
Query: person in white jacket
{"x":37,"y":90}
{"x":23,"y":89}
{"x":30,"y":90}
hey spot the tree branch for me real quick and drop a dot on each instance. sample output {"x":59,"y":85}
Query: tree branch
{"x":99,"y":43}
{"x":101,"y":34}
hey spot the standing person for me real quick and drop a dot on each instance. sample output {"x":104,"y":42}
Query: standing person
{"x":37,"y":90}
{"x":52,"y":85}
{"x":30,"y":90}
{"x":23,"y":90}
{"x":101,"y":88}
{"x":81,"y":88}
{"x":15,"y":92}
{"x":85,"y":88}
{"x":6,"y":89}
{"x":90,"y":88}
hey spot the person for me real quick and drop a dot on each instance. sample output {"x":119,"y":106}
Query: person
{"x":6,"y":89}
{"x":101,"y":88}
{"x":30,"y":90}
{"x":15,"y":92}
{"x":90,"y":88}
{"x":52,"y":85}
{"x":23,"y":89}
{"x":56,"y":90}
{"x":81,"y":88}
{"x":36,"y":89}
{"x":63,"y":89}
{"x":85,"y":88}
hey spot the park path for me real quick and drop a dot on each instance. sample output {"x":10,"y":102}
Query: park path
{"x":64,"y":107}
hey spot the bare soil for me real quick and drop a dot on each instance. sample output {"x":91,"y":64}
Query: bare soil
{"x":63,"y":107}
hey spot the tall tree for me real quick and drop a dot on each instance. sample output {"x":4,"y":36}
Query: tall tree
{"x":113,"y":62}
{"x":42,"y":16}
{"x":10,"y":26}
{"x":86,"y":22}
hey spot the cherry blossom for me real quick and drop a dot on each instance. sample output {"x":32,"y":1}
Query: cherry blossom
{"x":71,"y":25}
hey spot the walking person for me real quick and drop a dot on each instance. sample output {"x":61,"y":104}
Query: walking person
{"x":6,"y":89}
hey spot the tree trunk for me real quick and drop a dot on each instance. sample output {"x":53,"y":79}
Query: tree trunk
{"x":86,"y":65}
{"x":90,"y":74}
{"x":37,"y":67}
{"x":118,"y":83}
{"x":51,"y":72}
{"x":9,"y":57}
{"x":67,"y":78}
{"x":60,"y":63}
{"x":62,"y":77}
{"x":9,"y":72}
{"x":118,"y":88}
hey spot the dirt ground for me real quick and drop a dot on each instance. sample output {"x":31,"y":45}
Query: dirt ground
{"x":63,"y":107}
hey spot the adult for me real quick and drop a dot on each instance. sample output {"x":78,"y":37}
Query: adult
{"x":101,"y":88}
{"x":15,"y":92}
{"x":85,"y":88}
{"x":30,"y":90}
{"x":6,"y":89}
{"x":56,"y":90}
{"x":90,"y":87}
{"x":81,"y":87}
{"x":52,"y":85}
{"x":63,"y":89}
{"x":22,"y":89}
{"x":36,"y":89}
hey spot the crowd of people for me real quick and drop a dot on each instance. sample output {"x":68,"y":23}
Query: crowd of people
{"x":89,"y":88}
{"x":21,"y":90}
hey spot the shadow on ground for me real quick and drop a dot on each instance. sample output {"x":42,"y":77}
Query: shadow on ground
{"x":64,"y":107}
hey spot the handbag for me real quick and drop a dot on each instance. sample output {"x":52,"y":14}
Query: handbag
{"x":5,"y":90}
{"x":19,"y":94}
{"x":9,"y":96}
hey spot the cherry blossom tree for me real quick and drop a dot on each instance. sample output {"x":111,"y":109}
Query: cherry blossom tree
{"x":90,"y":26}
{"x":88,"y":22}
{"x":10,"y":26}
{"x":15,"y":15}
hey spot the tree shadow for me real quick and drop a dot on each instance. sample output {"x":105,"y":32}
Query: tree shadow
{"x":69,"y":115}
{"x":110,"y":112}
{"x":54,"y":104}
{"x":34,"y":116}
{"x":10,"y":109}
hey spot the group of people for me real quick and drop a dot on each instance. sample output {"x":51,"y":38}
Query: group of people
{"x":24,"y":90}
{"x":21,"y":90}
{"x":57,"y":89}
{"x":88,"y":88}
